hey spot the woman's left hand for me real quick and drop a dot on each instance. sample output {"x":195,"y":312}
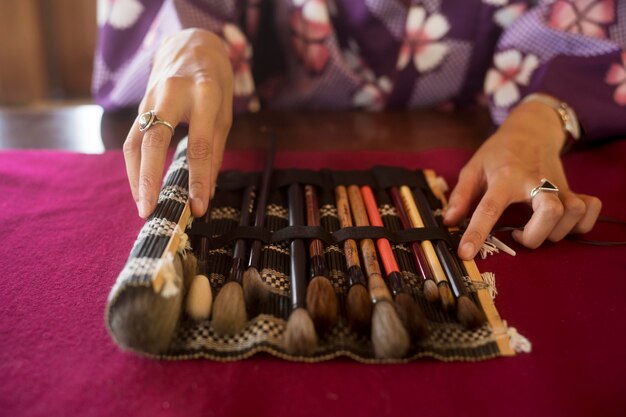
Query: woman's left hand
{"x":525,"y":149}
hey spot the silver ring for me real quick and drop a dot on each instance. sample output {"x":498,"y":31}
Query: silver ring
{"x":545,"y":186}
{"x":149,"y":119}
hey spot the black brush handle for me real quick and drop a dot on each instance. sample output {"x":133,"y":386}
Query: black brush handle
{"x":259,"y":220}
{"x":298,"y":253}
{"x":448,"y":262}
{"x":239,"y":252}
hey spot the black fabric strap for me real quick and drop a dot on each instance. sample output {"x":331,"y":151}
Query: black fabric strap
{"x":316,"y":232}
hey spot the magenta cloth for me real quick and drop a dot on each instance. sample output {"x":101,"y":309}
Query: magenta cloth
{"x":68,"y":223}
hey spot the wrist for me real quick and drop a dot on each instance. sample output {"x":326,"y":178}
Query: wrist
{"x":534,"y":120}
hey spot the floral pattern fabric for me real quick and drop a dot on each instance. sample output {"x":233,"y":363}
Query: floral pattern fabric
{"x":386,"y":54}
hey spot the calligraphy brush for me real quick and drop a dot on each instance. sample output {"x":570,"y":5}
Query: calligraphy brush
{"x":467,"y":312}
{"x":410,"y":312}
{"x":229,"y":310}
{"x":389,"y":336}
{"x":321,"y":300}
{"x":447,"y":299}
{"x":255,"y":291}
{"x":430,"y":287}
{"x":358,"y":301}
{"x":200,"y":297}
{"x":299,"y":337}
{"x":145,"y":318}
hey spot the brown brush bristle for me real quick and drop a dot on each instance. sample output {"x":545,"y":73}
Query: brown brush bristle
{"x":229,"y":309}
{"x":389,"y":337}
{"x":430,"y":291}
{"x":321,"y":303}
{"x":411,"y":315}
{"x":146,"y":321}
{"x":359,"y":309}
{"x":190,"y":267}
{"x":468,"y":314}
{"x":445,"y":294}
{"x":300,"y":337}
{"x":199,"y":298}
{"x":254,"y":290}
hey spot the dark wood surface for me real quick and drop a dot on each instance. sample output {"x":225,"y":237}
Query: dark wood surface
{"x":86,"y":128}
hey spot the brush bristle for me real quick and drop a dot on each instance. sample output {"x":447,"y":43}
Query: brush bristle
{"x":321,"y":303}
{"x":300,"y":337}
{"x":146,"y":321}
{"x":359,"y":309}
{"x":389,"y":337}
{"x":254,"y":290}
{"x":199,"y":298}
{"x":412,"y":316}
{"x":229,"y":309}
{"x":190,"y":268}
{"x":445,"y":294}
{"x":468,"y":313}
{"x":430,"y":291}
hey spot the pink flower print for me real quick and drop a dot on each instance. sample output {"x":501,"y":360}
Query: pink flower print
{"x":617,"y":76}
{"x":239,"y":52}
{"x":119,"y":14}
{"x":511,"y":70}
{"x":584,"y":17}
{"x":310,"y":27}
{"x":422,"y":40}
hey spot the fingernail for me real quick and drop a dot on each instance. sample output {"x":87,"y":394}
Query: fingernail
{"x":449,"y":212}
{"x":198,"y":204}
{"x":468,"y":250}
{"x":213,"y":190}
{"x":144,"y":208}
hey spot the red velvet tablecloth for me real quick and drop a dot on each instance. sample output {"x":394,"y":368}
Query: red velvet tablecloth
{"x":68,"y":223}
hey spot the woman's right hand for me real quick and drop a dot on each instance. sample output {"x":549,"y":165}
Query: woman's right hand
{"x":191,"y":82}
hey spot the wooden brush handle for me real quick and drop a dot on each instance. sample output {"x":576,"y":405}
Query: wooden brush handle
{"x":384,"y":247}
{"x":427,"y":246}
{"x":416,"y":249}
{"x":345,"y":220}
{"x":316,"y":246}
{"x":377,"y":288}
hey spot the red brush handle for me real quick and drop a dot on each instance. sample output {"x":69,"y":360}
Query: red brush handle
{"x":383,"y":245}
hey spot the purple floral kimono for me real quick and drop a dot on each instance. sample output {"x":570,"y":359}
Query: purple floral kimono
{"x":386,"y":54}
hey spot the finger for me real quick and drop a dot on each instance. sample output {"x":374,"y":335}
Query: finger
{"x":200,"y":149}
{"x":574,"y":210}
{"x":487,"y":213}
{"x":548,"y":211}
{"x":593,"y":206}
{"x":132,"y":158}
{"x":153,"y":154}
{"x":468,"y":188}
{"x":222,"y":129}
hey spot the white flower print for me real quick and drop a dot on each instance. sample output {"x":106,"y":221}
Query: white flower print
{"x":120,"y":14}
{"x":422,"y":40}
{"x":617,"y":76}
{"x":508,"y":14}
{"x":510,"y":71}
{"x":496,"y":2}
{"x":239,"y":52}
